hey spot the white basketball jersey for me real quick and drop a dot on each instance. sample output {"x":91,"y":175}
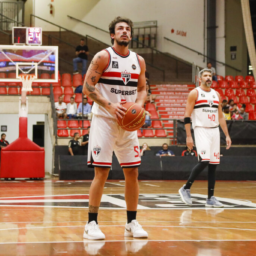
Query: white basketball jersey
{"x":119,"y":80}
{"x":205,"y":113}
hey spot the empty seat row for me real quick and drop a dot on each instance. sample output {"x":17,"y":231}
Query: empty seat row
{"x":151,"y":133}
{"x":240,"y":92}
{"x":238,"y":79}
{"x":73,"y":124}
{"x":16,"y":91}
{"x":67,"y":133}
{"x":233,"y":84}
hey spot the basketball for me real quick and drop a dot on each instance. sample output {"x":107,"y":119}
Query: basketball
{"x":134,"y":117}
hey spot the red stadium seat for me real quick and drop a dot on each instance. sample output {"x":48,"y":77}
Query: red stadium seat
{"x":56,"y":97}
{"x":46,"y":91}
{"x":157,"y":124}
{"x":45,"y":76}
{"x":2,"y":75}
{"x":154,"y":114}
{"x":13,"y":91}
{"x":234,"y":85}
{"x":239,"y":79}
{"x":229,"y":92}
{"x":240,"y":92}
{"x":249,"y":108}
{"x":223,"y":84}
{"x":160,"y":133}
{"x":251,"y":92}
{"x":35,"y":84}
{"x":139,"y":133}
{"x":244,"y":85}
{"x":229,"y":78}
{"x":150,"y":106}
{"x":220,"y":78}
{"x":244,"y":100}
{"x":72,"y":132}
{"x":56,"y":84}
{"x":67,"y":98}
{"x":13,"y":75}
{"x":68,"y":90}
{"x":78,"y":97}
{"x":214,"y":85}
{"x":220,"y":92}
{"x":61,"y":124}
{"x":85,"y":124}
{"x":73,"y":124}
{"x":45,"y":84}
{"x":62,"y":133}
{"x":77,"y":77}
{"x":84,"y":132}
{"x":3,"y":90}
{"x":57,"y":90}
{"x":252,"y":116}
{"x":253,"y":85}
{"x":249,"y":79}
{"x":66,"y":76}
{"x":239,"y":105}
{"x":148,"y":133}
{"x":66,"y":83}
{"x":234,"y":98}
{"x":76,"y":83}
{"x":36,"y":91}
{"x":253,"y":99}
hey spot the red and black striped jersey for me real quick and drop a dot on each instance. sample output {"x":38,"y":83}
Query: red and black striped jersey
{"x":119,"y":80}
{"x":205,"y":113}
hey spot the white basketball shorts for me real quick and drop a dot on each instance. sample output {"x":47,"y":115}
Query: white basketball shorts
{"x":107,"y":136}
{"x":207,"y":141}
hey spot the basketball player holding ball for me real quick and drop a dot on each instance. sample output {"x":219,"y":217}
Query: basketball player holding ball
{"x":204,"y":106}
{"x":115,"y":75}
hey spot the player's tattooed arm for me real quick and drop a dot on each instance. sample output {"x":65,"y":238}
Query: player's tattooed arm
{"x":141,"y":89}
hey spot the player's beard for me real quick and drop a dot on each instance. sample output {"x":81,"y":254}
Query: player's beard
{"x":122,"y":43}
{"x":208,"y":83}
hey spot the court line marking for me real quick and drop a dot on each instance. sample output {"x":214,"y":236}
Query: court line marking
{"x":137,"y":240}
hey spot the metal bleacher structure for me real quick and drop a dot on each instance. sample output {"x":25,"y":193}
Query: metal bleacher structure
{"x":173,"y":79}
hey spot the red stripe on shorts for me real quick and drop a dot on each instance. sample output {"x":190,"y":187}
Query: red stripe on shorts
{"x":133,"y":163}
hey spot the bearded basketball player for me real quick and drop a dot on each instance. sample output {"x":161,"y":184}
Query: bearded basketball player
{"x":115,"y":75}
{"x":203,"y":105}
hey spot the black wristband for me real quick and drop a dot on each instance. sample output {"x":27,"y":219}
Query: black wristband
{"x":187,"y":120}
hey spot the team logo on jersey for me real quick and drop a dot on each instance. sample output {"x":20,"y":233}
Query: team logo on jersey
{"x":126,"y":77}
{"x":210,"y":102}
{"x":133,"y":67}
{"x":203,"y":152}
{"x":96,"y":150}
{"x":203,"y":95}
{"x":213,"y":96}
{"x":114,"y":64}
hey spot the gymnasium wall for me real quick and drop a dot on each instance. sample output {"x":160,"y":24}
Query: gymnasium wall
{"x":186,"y":16}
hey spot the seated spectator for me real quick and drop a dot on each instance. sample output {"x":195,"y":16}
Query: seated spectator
{"x":165,"y":151}
{"x":79,"y":89}
{"x":224,"y":104}
{"x":3,"y":142}
{"x":71,"y":108}
{"x":189,"y":152}
{"x":234,"y":109}
{"x":87,"y":108}
{"x":61,"y":108}
{"x":144,"y":148}
{"x":147,"y":121}
{"x":236,"y":116}
{"x":226,"y":113}
{"x":82,"y":56}
{"x":231,"y":104}
{"x":243,"y":114}
{"x":85,"y":140}
{"x":73,"y":145}
{"x":214,"y":76}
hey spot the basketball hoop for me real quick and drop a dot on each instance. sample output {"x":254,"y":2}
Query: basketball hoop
{"x":27,"y":80}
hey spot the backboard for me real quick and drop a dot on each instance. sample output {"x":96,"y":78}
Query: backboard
{"x":41,"y":61}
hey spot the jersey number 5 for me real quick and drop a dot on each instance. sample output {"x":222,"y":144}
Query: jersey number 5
{"x":136,"y":149}
{"x":211,"y":117}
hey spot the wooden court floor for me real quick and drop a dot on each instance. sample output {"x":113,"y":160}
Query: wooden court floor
{"x":48,"y":218}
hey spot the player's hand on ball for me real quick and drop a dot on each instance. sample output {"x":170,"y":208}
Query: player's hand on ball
{"x":117,"y":110}
{"x":190,"y":143}
{"x":228,"y":142}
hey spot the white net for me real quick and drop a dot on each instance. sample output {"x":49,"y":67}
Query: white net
{"x":27,"y":81}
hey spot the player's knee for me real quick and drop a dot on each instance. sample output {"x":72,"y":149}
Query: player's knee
{"x":131,"y":173}
{"x":101,"y":173}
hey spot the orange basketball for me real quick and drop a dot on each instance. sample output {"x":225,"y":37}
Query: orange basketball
{"x":134,"y":117}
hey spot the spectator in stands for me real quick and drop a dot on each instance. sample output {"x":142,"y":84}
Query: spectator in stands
{"x":87,"y":108}
{"x":82,"y":52}
{"x":61,"y":108}
{"x":243,"y":114}
{"x":144,"y":148}
{"x":231,"y":104}
{"x":189,"y":152}
{"x":3,"y":142}
{"x":214,"y":76}
{"x":73,"y":145}
{"x":165,"y":151}
{"x":150,"y":97}
{"x":224,"y":104}
{"x":226,"y":113}
{"x":147,"y":121}
{"x":71,"y":108}
{"x":234,"y":109}
{"x":236,"y":116}
{"x":85,"y":140}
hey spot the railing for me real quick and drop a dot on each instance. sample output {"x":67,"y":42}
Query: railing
{"x":54,"y":117}
{"x":199,"y":53}
{"x":15,"y":22}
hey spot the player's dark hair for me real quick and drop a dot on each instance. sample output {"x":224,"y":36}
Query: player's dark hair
{"x":3,"y":135}
{"x":88,"y":127}
{"x":72,"y":98}
{"x":82,"y":39}
{"x":230,"y":101}
{"x":165,"y":144}
{"x":224,"y":101}
{"x":209,"y":63}
{"x":75,"y":134}
{"x":113,"y":23}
